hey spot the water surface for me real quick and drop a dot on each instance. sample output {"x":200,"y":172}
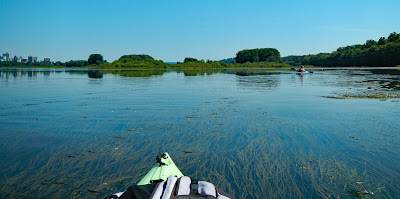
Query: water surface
{"x":255,"y":134}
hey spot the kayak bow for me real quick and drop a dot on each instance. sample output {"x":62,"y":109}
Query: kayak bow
{"x":164,"y":168}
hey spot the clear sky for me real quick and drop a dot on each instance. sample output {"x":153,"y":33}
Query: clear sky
{"x":171,"y":30}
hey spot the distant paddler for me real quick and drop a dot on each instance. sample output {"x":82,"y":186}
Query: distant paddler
{"x":301,"y":69}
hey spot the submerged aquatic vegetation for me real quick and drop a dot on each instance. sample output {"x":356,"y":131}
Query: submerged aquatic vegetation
{"x":92,"y":191}
{"x":235,"y":144}
{"x":365,"y":96}
{"x":359,"y":194}
{"x":353,"y":137}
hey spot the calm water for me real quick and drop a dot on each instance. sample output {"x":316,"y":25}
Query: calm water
{"x":255,"y":134}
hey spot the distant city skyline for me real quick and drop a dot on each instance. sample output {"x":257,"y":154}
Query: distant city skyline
{"x":172,"y":30}
{"x":6,"y":56}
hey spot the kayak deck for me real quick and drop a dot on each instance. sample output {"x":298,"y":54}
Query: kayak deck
{"x":164,"y":168}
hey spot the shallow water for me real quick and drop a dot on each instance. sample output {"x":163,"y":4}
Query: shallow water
{"x":255,"y":134}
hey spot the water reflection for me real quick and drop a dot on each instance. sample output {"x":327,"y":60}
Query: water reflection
{"x":371,"y":79}
{"x":201,"y":72}
{"x":95,"y":74}
{"x":254,"y":72}
{"x":46,"y":73}
{"x":18,"y":73}
{"x":78,"y":72}
{"x":303,"y":77}
{"x":386,"y":71}
{"x":257,"y":79}
{"x":4,"y":74}
{"x":136,"y":73}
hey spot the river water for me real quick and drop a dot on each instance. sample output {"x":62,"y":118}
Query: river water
{"x":253,"y":133}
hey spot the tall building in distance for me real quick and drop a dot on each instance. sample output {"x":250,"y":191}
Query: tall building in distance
{"x":32,"y":59}
{"x":19,"y":59}
{"x":46,"y":60}
{"x":6,"y":56}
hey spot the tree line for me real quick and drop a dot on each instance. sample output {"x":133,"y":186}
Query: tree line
{"x":136,"y":61}
{"x":228,"y":60}
{"x":28,"y":64}
{"x":258,"y":55}
{"x":265,"y":58}
{"x":384,"y":52}
{"x":93,"y":60}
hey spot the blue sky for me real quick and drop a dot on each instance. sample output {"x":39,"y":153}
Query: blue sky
{"x":204,"y":29}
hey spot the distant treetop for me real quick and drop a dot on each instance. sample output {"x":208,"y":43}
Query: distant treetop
{"x":189,"y":59}
{"x":95,"y":59}
{"x":258,"y":55}
{"x":136,"y":57}
{"x":228,"y":60}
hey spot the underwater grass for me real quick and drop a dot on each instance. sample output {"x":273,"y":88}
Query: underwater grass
{"x":366,"y":96}
{"x":242,"y":150}
{"x":262,"y":165}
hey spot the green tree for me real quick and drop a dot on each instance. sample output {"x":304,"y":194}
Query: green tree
{"x":257,"y":55}
{"x":136,"y":57}
{"x":189,"y":59}
{"x":95,"y":58}
{"x":382,"y":41}
{"x":393,"y":37}
{"x":76,"y":63}
{"x":370,"y":43}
